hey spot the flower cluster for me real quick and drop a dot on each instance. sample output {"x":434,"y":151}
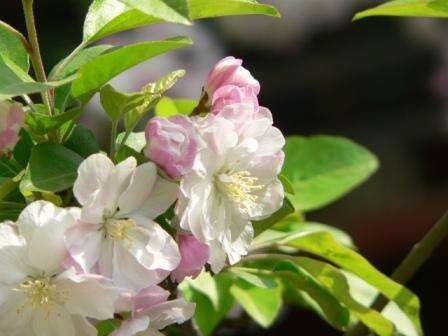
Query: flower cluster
{"x":64,"y":268}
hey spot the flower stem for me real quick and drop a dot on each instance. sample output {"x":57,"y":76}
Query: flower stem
{"x":113,"y":137}
{"x":409,"y":266}
{"x":36,"y":58}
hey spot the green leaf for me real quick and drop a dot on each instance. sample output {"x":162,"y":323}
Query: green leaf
{"x":22,"y":150}
{"x":106,"y":327}
{"x":116,"y":103}
{"x":10,"y":210}
{"x":82,"y":141}
{"x":7,"y":185}
{"x":107,"y":17}
{"x":425,"y":8}
{"x":208,"y":315}
{"x":12,"y":48}
{"x":168,"y":107}
{"x":63,"y":95}
{"x":151,"y":94}
{"x":42,"y":124}
{"x":262,"y":225}
{"x":366,"y":294}
{"x":335,"y":281}
{"x":291,"y":225}
{"x":15,"y":81}
{"x":135,"y":140}
{"x":324,"y":168}
{"x":175,"y":11}
{"x":259,"y":280}
{"x":200,"y":9}
{"x":53,"y":167}
{"x":323,"y":300}
{"x":323,"y":245}
{"x":97,"y":72}
{"x":262,"y":304}
{"x":8,"y":168}
{"x":287,"y":185}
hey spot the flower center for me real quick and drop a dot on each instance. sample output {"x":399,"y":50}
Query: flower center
{"x":239,"y":187}
{"x":41,"y":292}
{"x":118,"y":229}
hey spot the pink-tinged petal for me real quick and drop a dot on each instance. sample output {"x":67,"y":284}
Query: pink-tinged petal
{"x":83,"y":242}
{"x":148,"y":297}
{"x":231,"y":94}
{"x":170,"y":312}
{"x":11,"y":121}
{"x":194,"y":255}
{"x":171,"y":144}
{"x":132,"y":327}
{"x":230,"y":72}
{"x":88,"y":295}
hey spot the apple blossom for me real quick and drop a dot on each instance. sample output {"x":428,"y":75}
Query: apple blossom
{"x":37,"y":296}
{"x":152,"y":312}
{"x":229,"y":71}
{"x":231,"y":94}
{"x":194,"y":255}
{"x":171,"y":144}
{"x":11,"y":120}
{"x":116,"y":236}
{"x":234,"y":181}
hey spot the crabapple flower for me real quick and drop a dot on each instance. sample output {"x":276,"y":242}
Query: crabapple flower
{"x":171,"y":144}
{"x":37,"y":296}
{"x":152,"y":312}
{"x":229,"y":71}
{"x":116,"y":236}
{"x":11,"y":120}
{"x":194,"y":255}
{"x":234,"y":181}
{"x":231,"y":94}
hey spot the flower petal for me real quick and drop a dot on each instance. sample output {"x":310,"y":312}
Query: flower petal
{"x":170,"y":312}
{"x":132,"y":327}
{"x":92,"y":175}
{"x":89,"y":295}
{"x":55,"y":321}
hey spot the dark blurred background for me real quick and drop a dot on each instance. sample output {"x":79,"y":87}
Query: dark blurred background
{"x":382,"y":82}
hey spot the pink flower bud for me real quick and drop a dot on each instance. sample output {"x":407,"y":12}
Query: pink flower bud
{"x":231,"y":94}
{"x":194,"y":255}
{"x":11,"y":120}
{"x":171,"y":144}
{"x":229,"y":71}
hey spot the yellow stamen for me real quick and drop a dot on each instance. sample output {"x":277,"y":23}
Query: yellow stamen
{"x":239,"y":187}
{"x":118,"y":229}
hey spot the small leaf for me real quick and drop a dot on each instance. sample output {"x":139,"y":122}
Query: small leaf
{"x":10,"y":210}
{"x":262,"y":225}
{"x":15,"y":82}
{"x":424,"y":8}
{"x":175,"y":11}
{"x":208,"y":315}
{"x":259,"y":280}
{"x":53,"y":167}
{"x":262,"y":304}
{"x":323,"y":245}
{"x":337,"y":284}
{"x":287,"y":185}
{"x":42,"y":124}
{"x":22,"y":150}
{"x":200,"y":9}
{"x":151,"y":94}
{"x":323,"y":301}
{"x":97,"y":72}
{"x":168,"y":107}
{"x":136,"y":141}
{"x":106,"y":327}
{"x":12,"y":48}
{"x":116,"y":103}
{"x":63,"y":97}
{"x":324,"y":168}
{"x":82,"y":141}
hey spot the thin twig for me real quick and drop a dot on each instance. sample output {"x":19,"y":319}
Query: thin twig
{"x":419,"y":254}
{"x":36,"y":58}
